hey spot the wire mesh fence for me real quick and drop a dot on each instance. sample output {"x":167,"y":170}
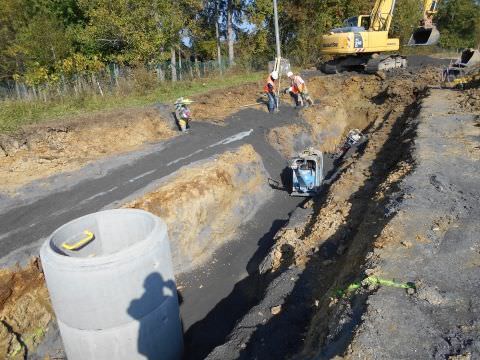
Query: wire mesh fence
{"x":112,"y":79}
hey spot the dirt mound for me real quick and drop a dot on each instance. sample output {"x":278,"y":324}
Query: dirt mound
{"x":346,"y":102}
{"x":25,"y":310}
{"x":39,"y":151}
{"x":217,"y":105}
{"x":205,"y":203}
{"x":470,"y":100}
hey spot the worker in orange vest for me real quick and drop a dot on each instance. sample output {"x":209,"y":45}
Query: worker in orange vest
{"x":270,"y":88}
{"x":298,"y":90}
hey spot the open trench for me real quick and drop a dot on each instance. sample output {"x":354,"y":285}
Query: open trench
{"x":241,"y":248}
{"x":297,"y":313}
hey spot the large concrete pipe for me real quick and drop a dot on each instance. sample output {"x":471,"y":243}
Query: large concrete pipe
{"x":111,"y":283}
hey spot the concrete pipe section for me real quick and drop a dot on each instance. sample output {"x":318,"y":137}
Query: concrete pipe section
{"x":111,"y":283}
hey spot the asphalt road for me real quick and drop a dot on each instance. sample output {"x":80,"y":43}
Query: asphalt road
{"x":25,"y":223}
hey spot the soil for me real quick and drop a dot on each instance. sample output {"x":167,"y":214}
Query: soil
{"x":345,"y":102}
{"x":38,"y":151}
{"x":313,"y":258}
{"x":25,"y":310}
{"x":218,"y":105}
{"x":432,"y":240}
{"x":64,"y":145}
{"x":205,"y":203}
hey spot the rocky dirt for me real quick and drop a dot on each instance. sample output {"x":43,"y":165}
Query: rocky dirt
{"x":205,"y":203}
{"x":38,"y":151}
{"x":25,"y":310}
{"x":432,"y":240}
{"x":64,"y":145}
{"x":200,"y":217}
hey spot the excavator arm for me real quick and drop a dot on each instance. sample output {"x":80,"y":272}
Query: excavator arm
{"x":426,"y":33}
{"x":381,"y":15}
{"x":429,"y":11}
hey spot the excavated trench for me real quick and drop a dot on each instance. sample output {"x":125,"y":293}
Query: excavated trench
{"x":255,"y":267}
{"x":297,"y":313}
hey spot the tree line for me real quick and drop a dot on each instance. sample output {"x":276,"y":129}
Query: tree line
{"x":46,"y":39}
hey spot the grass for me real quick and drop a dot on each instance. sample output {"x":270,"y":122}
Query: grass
{"x":432,"y":50}
{"x":16,"y":113}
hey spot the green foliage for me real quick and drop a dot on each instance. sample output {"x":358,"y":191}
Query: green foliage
{"x":459,"y":23}
{"x":42,"y":40}
{"x":406,"y":19}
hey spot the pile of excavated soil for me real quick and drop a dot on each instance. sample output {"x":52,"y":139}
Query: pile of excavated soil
{"x":345,"y":102}
{"x":205,"y":203}
{"x":25,"y":310}
{"x":38,"y":151}
{"x":217,"y":105}
{"x":470,"y":100}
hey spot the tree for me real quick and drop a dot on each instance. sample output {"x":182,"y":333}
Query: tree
{"x":459,"y":23}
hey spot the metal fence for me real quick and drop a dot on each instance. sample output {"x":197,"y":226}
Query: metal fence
{"x":111,"y":80}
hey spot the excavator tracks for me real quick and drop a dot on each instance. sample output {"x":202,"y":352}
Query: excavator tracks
{"x":385,"y":63}
{"x":369,"y":64}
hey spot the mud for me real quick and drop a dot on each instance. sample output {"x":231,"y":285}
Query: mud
{"x":205,"y":203}
{"x":39,"y":151}
{"x":25,"y":310}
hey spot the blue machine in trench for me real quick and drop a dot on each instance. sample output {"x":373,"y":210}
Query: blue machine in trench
{"x":307,"y":173}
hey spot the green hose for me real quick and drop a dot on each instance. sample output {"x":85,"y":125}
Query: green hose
{"x":372,"y":280}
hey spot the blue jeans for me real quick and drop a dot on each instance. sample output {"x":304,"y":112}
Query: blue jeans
{"x":296,"y":98}
{"x":272,"y":102}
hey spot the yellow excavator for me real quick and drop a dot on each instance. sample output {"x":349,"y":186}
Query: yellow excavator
{"x":363,"y":40}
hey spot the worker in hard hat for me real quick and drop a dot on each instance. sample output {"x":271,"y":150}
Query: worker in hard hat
{"x":183,"y":113}
{"x":298,"y":90}
{"x":270,"y":88}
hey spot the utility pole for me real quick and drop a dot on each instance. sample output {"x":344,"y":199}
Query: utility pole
{"x":279,"y":58}
{"x":217,"y":34}
{"x":277,"y":32}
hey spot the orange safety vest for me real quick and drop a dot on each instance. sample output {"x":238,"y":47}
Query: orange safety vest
{"x":298,"y":85}
{"x":269,"y":81}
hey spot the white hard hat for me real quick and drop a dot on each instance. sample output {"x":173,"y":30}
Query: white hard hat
{"x":274,"y":75}
{"x":289,"y":74}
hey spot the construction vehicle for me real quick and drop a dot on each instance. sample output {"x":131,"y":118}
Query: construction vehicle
{"x":354,"y":137}
{"x":307,"y":173}
{"x":463,"y":70}
{"x":362,"y":43}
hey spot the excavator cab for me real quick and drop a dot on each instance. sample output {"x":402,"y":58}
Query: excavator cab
{"x":424,"y":35}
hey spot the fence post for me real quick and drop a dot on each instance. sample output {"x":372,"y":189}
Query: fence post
{"x":173,"y":64}
{"x":180,"y":64}
{"x":160,"y":73}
